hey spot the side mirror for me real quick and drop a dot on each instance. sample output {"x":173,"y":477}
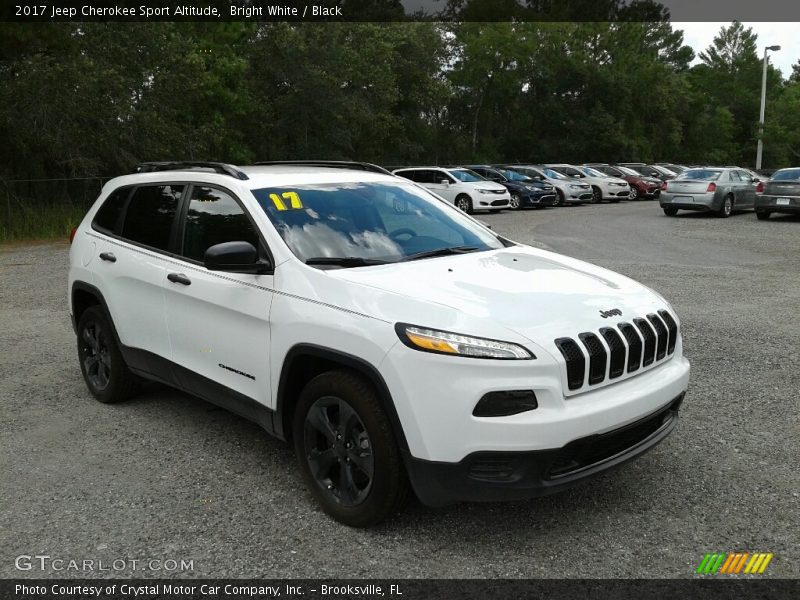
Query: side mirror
{"x":755,"y":179}
{"x":539,"y":178}
{"x":235,"y":257}
{"x":577,"y":176}
{"x":445,"y":182}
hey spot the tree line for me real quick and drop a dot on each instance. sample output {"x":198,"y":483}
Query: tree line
{"x":94,"y":99}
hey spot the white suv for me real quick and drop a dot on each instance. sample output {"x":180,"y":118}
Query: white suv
{"x":464,"y":188}
{"x":395,"y":341}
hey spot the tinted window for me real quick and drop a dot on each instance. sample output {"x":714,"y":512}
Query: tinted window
{"x":412,"y":175}
{"x":107,"y":217}
{"x":214,"y":217}
{"x":150,"y":215}
{"x":439,"y":177}
{"x":734,"y":176}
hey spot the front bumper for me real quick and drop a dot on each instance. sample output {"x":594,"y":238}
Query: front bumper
{"x":494,"y":476}
{"x":542,"y":199}
{"x":769,"y":203}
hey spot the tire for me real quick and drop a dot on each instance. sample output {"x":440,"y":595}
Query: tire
{"x":102,"y":366}
{"x":762,"y":215}
{"x":726,"y":208}
{"x":634,"y":193}
{"x":376,"y":484}
{"x":463,"y":202}
{"x":516,"y":202}
{"x":560,"y":199}
{"x":597,"y":195}
{"x":670,"y":211}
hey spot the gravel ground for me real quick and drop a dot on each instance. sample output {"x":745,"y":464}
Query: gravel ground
{"x":166,"y":476}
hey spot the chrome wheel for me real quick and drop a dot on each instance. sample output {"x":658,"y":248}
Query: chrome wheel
{"x":338,"y":451}
{"x":464,"y":203}
{"x":516,"y":202}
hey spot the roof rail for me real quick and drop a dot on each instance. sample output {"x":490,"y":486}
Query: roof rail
{"x":187,"y":165}
{"x":334,"y":164}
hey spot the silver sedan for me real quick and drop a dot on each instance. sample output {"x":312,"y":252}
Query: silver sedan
{"x":712,"y":189}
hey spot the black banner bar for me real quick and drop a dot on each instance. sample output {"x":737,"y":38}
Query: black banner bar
{"x":43,"y":11}
{"x":712,"y":588}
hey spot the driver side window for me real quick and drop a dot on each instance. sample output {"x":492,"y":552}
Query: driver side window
{"x":214,"y":217}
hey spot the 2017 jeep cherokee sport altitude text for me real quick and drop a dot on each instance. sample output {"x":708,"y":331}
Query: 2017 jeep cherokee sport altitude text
{"x":389,"y":336}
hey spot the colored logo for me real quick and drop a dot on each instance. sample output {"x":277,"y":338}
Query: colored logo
{"x":734,"y":563}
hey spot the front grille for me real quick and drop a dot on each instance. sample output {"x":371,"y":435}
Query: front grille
{"x":498,"y":191}
{"x":592,"y":450}
{"x":627,"y":349}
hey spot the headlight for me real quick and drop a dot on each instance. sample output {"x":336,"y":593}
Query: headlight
{"x":484,"y":191}
{"x":532,"y":188}
{"x":619,"y":184}
{"x":575,"y":186}
{"x":445,"y":342}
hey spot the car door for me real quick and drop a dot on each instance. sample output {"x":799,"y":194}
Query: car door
{"x":218,"y":322}
{"x":748,"y":189}
{"x":448,"y":190}
{"x":131,"y":263}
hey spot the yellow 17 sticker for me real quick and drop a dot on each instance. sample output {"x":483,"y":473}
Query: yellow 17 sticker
{"x":292,"y":197}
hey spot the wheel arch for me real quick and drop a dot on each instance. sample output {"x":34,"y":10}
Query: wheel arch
{"x":303,"y":362}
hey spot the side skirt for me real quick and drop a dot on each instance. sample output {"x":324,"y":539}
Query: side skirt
{"x":156,"y":368}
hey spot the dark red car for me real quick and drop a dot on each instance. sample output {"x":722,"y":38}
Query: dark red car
{"x":641,"y":185}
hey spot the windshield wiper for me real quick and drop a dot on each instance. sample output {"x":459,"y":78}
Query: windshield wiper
{"x":345,"y":261}
{"x":441,"y":252}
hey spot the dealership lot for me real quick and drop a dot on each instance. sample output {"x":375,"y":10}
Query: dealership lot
{"x":168,"y":477}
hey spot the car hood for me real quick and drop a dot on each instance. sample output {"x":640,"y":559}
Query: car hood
{"x":537,"y":294}
{"x":485,"y":185}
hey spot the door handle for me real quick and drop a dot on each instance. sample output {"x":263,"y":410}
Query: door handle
{"x":108,"y":257}
{"x":179,"y":278}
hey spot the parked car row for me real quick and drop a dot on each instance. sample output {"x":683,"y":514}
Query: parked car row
{"x":725,"y":190}
{"x":494,"y":187}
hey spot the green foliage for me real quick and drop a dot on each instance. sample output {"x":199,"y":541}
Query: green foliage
{"x":94,"y":99}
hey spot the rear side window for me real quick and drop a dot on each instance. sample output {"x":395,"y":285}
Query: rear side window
{"x":107,"y":218}
{"x":412,"y":175}
{"x":214,"y":217}
{"x":150,"y":214}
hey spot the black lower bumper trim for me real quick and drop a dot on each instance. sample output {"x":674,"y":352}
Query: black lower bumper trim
{"x":494,"y":476}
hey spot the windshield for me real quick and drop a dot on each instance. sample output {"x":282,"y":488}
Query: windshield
{"x":513,"y":175}
{"x":466,"y":175}
{"x":382,"y":222}
{"x":554,"y":174}
{"x":628,"y":171}
{"x":664,"y":171}
{"x":787,"y":175}
{"x":699,"y":175}
{"x":592,"y":172}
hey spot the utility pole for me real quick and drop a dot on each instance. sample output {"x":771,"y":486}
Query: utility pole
{"x":760,"y":150}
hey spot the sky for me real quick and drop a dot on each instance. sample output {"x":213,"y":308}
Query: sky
{"x":700,"y":36}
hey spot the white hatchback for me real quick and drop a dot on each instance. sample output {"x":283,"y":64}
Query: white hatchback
{"x":396,"y":342}
{"x":464,"y":188}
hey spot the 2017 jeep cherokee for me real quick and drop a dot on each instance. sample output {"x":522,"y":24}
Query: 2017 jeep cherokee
{"x":396,"y":342}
